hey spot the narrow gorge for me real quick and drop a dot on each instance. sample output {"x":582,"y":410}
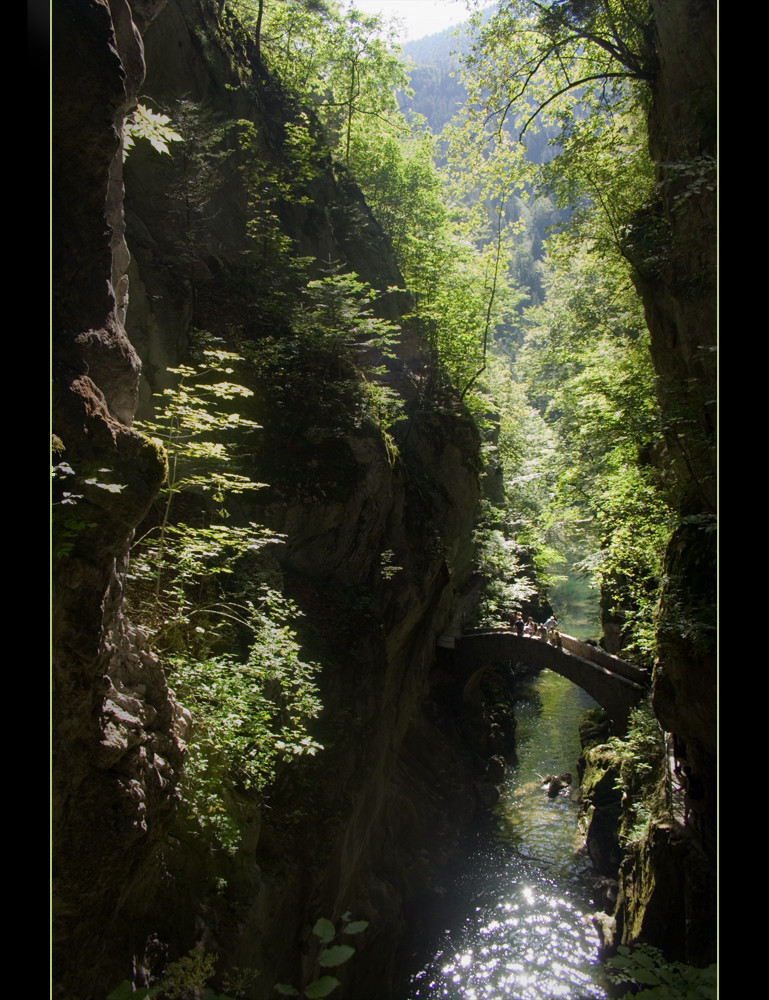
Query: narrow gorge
{"x":360,"y":483}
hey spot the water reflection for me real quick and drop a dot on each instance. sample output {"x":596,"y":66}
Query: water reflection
{"x":525,"y":932}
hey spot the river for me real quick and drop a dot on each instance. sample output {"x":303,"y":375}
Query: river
{"x":518,"y":924}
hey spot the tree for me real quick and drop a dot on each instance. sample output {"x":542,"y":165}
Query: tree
{"x":579,"y":70}
{"x":278,"y":23}
{"x":171,"y":557}
{"x":537,"y":53}
{"x":251,"y":707}
{"x":588,"y":368}
{"x":326,"y":370}
{"x":364,"y":75}
{"x":251,"y":712}
{"x":345,"y":59}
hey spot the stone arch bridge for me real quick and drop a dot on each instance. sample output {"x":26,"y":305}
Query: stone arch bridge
{"x":615,"y":684}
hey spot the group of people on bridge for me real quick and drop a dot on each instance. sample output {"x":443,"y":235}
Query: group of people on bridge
{"x":547,"y":630}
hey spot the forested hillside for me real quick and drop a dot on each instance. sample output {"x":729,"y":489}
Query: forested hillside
{"x":342,"y":369}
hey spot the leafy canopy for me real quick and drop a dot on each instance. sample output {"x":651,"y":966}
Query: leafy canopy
{"x":344,"y":59}
{"x":250,"y":713}
{"x":530,"y":55}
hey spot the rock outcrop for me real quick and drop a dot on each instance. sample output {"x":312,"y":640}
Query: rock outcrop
{"x":667,"y":896}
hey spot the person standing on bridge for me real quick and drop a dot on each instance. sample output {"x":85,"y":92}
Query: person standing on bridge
{"x":552,"y":629}
{"x":518,"y":624}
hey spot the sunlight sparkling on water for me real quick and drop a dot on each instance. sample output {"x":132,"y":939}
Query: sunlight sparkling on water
{"x":536,"y":948}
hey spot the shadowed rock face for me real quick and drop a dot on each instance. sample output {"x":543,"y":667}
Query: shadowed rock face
{"x":675,"y":273}
{"x":680,"y":303}
{"x":117,"y":732}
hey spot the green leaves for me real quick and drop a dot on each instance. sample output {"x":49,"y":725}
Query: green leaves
{"x":199,"y":434}
{"x":355,"y":926}
{"x":254,"y":713}
{"x":336,"y":311}
{"x":336,"y":955}
{"x":329,"y":378}
{"x":329,"y":956}
{"x":538,"y":55}
{"x":146,"y":124}
{"x":185,"y":977}
{"x":571,"y":71}
{"x":347,"y":59}
{"x":324,"y":930}
{"x":321,"y":987}
{"x":251,"y":710}
{"x":587,"y":366}
{"x":644,"y":966}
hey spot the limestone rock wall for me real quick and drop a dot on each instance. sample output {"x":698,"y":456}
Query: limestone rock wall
{"x":673,"y":248}
{"x":366,"y":825}
{"x":676,"y":277}
{"x":117,"y":731}
{"x":667,"y":867}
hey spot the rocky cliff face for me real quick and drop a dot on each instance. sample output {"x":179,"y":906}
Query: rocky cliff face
{"x":681,"y":312}
{"x":368,"y":823}
{"x":117,"y":731}
{"x":674,"y":254}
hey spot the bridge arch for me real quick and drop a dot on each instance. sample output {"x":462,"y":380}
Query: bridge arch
{"x":615,"y":684}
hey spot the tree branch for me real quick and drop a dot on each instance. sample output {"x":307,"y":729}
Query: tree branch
{"x":572,"y":86}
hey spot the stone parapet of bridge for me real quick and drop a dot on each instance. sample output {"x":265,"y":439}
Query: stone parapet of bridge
{"x":597,"y":655}
{"x":615,"y":684}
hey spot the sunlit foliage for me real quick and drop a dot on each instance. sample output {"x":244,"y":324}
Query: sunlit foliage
{"x":231,"y":649}
{"x":588,"y":368}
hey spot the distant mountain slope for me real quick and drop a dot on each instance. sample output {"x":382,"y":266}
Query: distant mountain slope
{"x":433,"y":62}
